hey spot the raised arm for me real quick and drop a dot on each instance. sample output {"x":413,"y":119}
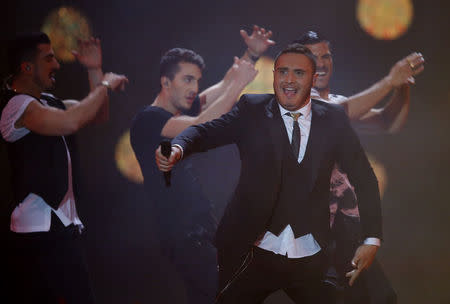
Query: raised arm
{"x":209,"y":135}
{"x":51,"y":121}
{"x":257,"y":43}
{"x":89,"y":54}
{"x":393,"y":115}
{"x":241,"y":73}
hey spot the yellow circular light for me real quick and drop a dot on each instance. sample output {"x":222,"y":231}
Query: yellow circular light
{"x":263,"y":82}
{"x":385,"y":19}
{"x":126,"y":160}
{"x":64,"y":26}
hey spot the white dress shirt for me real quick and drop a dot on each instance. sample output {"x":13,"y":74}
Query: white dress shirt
{"x":33,"y":214}
{"x":286,"y":244}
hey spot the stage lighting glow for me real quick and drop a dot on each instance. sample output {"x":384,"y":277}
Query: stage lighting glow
{"x":385,"y":19}
{"x":263,"y":82}
{"x":64,"y":26}
{"x":126,"y":160}
{"x":380,"y":173}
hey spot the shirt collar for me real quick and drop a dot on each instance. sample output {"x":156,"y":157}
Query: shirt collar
{"x":305,"y":110}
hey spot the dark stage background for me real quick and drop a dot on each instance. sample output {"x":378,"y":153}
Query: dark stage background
{"x":122,"y":249}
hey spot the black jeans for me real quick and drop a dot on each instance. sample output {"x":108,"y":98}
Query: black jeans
{"x":48,"y":267}
{"x":268,"y":272}
{"x":195,"y":260}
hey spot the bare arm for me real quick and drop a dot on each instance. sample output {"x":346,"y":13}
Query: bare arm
{"x":51,"y":121}
{"x":394,"y":114}
{"x":89,"y":55}
{"x":241,"y":73}
{"x":257,"y":43}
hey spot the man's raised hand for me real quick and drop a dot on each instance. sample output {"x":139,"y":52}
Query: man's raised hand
{"x":404,"y":70}
{"x":258,"y":42}
{"x":89,"y":53}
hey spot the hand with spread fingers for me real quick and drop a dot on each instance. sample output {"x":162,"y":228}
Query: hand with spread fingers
{"x":166,"y":164}
{"x":403,"y":71}
{"x":364,"y":256}
{"x":89,"y":53}
{"x":258,"y":42}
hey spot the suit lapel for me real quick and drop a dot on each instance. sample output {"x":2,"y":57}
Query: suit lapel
{"x":317,"y":135}
{"x":277,"y":129}
{"x":317,"y":138}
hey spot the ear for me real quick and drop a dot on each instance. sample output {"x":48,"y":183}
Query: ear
{"x":165,"y":82}
{"x":26,"y":67}
{"x":314,"y":79}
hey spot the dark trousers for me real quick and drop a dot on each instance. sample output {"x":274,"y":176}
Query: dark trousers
{"x":48,"y":267}
{"x":196,"y":263}
{"x":268,"y":272}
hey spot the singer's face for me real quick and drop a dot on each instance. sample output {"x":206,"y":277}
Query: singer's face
{"x":324,"y":64}
{"x":44,"y":67}
{"x":292,"y":80}
{"x":183,"y":88}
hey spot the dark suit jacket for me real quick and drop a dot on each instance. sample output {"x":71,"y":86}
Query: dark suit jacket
{"x":256,"y":126}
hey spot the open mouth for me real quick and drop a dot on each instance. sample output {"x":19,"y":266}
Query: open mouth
{"x":289,"y":92}
{"x":52,"y":77}
{"x":321,"y":73}
{"x":190,"y":99}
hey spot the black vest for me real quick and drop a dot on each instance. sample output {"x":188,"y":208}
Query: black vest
{"x":38,"y":163}
{"x":294,"y":206}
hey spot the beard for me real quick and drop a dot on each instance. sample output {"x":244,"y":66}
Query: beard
{"x":45,"y":85}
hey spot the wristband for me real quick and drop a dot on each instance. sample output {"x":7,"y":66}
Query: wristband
{"x":106,"y":84}
{"x":252,"y":57}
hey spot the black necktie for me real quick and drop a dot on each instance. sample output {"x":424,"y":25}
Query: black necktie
{"x":295,"y":143}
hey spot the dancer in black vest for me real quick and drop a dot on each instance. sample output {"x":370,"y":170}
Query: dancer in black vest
{"x":46,"y":262}
{"x":275,"y":229}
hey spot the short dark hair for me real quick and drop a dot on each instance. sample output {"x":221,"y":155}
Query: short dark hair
{"x":311,"y":37}
{"x":23,"y":47}
{"x":298,"y":49}
{"x":169,"y":61}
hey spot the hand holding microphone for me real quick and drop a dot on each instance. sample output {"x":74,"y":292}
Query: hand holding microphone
{"x":166,"y":157}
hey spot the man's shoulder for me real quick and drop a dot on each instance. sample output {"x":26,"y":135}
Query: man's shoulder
{"x":336,"y":98}
{"x":47,"y":95}
{"x":149,"y":121}
{"x":332,"y":98}
{"x":329,"y":109}
{"x":149,"y":114}
{"x":153,"y":110}
{"x":257,"y":98}
{"x":326,"y":105}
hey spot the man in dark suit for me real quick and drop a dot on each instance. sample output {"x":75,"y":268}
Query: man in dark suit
{"x":274,"y":231}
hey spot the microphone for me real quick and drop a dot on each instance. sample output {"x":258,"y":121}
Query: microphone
{"x":166,"y":149}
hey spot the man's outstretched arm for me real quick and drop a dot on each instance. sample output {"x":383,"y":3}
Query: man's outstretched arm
{"x":257,"y":43}
{"x":209,"y":135}
{"x":240,"y":74}
{"x":360,"y":107}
